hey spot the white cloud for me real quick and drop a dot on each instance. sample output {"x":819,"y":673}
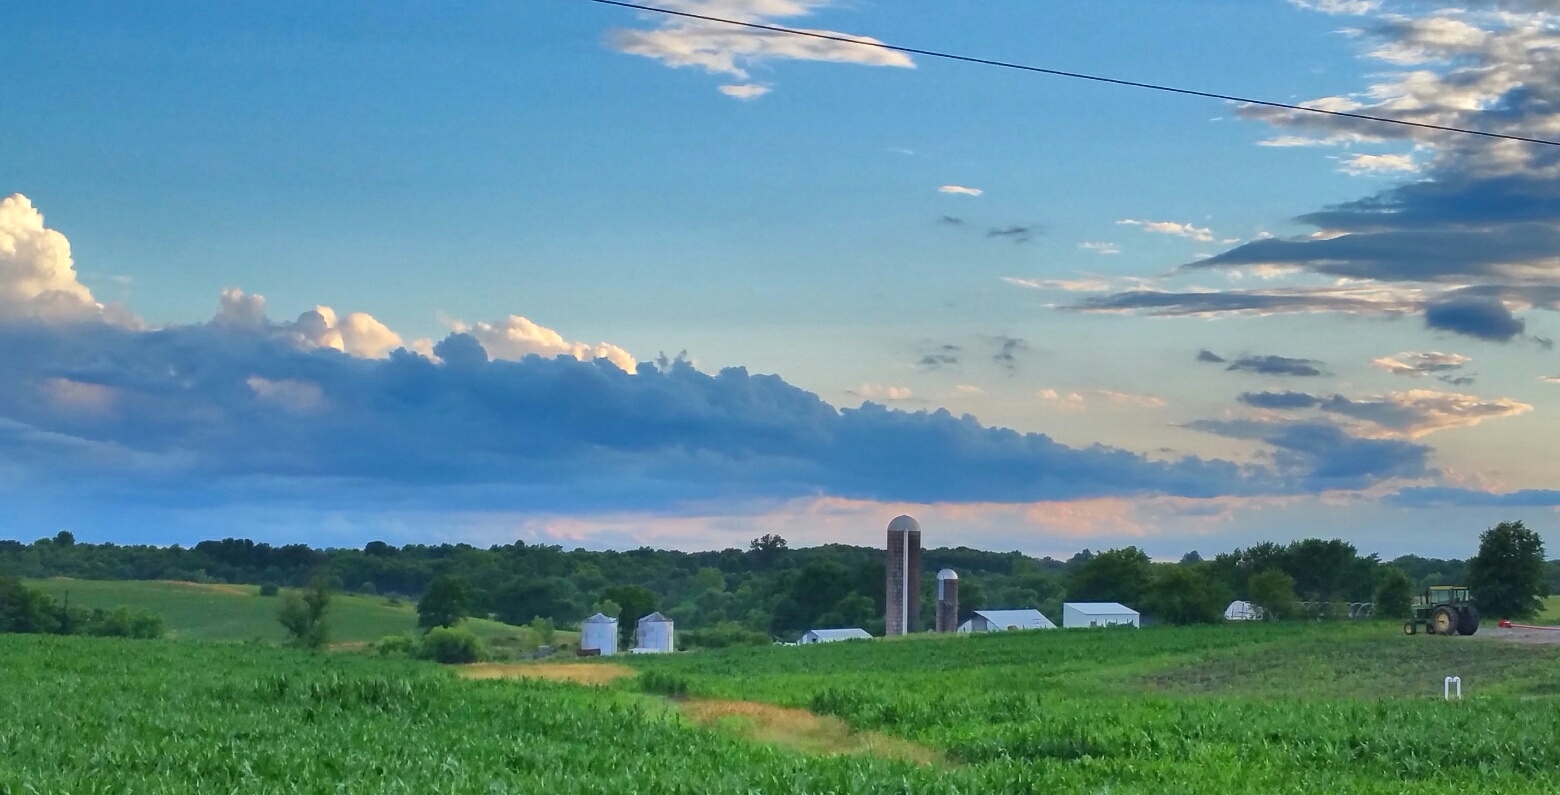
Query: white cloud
{"x":1354,"y":7}
{"x":1421,"y":412}
{"x":1084,"y":285}
{"x":968,"y":389}
{"x":745,"y":91}
{"x":1101,"y":248}
{"x":1415,"y":365}
{"x":960,"y":190}
{"x":1200,"y":234}
{"x":37,"y":274}
{"x":882,"y":392}
{"x":1379,"y":164}
{"x":1550,"y":379}
{"x":732,"y":50}
{"x":516,"y":337}
{"x":1079,"y":401}
{"x":359,"y":333}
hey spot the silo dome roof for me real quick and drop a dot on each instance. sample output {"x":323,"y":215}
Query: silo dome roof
{"x":947,"y":574}
{"x":904,"y":524}
{"x":600,"y":619}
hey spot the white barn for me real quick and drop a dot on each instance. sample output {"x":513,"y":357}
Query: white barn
{"x":1006,"y":620}
{"x":1098,"y":614}
{"x":599,"y":633}
{"x":1242,"y":611}
{"x":832,"y":635}
{"x":654,"y":635}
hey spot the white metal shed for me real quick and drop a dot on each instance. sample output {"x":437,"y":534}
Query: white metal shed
{"x":1006,"y":620}
{"x":831,"y":635}
{"x":1098,"y":614}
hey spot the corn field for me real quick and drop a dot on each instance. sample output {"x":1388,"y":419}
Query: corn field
{"x":1167,"y":712}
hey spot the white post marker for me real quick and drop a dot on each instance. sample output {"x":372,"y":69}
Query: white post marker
{"x":1446,"y":691}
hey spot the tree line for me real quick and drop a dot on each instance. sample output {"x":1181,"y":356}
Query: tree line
{"x":772,"y":590}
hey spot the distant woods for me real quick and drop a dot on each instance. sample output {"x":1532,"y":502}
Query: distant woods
{"x":737,"y":596}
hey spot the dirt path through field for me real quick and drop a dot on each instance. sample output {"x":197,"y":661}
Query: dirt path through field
{"x":579,"y":673}
{"x":800,"y":730}
{"x":1532,"y":637}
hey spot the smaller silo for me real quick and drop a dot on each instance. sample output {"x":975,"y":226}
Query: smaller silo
{"x":654,"y":635}
{"x":947,"y":600}
{"x":599,"y":635}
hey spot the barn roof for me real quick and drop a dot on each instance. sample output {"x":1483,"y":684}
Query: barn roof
{"x":1101,"y":608}
{"x":840,"y":634}
{"x":1023,"y":619}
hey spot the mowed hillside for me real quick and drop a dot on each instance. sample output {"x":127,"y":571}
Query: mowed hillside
{"x":221,"y":612}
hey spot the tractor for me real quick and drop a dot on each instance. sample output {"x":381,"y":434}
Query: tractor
{"x":1443,"y":610}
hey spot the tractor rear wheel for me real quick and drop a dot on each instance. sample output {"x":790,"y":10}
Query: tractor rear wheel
{"x":1444,"y":620}
{"x":1410,"y":628}
{"x":1468,"y":622}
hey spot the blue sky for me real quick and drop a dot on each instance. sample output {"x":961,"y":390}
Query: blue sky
{"x":561,"y":178}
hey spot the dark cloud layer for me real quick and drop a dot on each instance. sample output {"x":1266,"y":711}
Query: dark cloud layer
{"x":1276,"y":365}
{"x":1485,"y":318}
{"x":1325,"y":456}
{"x":184,"y":410}
{"x":1278,"y":400}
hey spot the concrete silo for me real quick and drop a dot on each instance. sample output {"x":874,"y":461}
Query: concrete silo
{"x":947,"y":600}
{"x":654,"y":635}
{"x":903,"y":612}
{"x":599,"y":635}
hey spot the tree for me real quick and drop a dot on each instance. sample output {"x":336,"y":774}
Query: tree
{"x":64,"y":538}
{"x":1117,"y":575}
{"x":1507,"y":576}
{"x":1186,"y":595}
{"x":767,"y":551}
{"x":304,"y":616}
{"x":446,"y":602}
{"x":1274,"y":592}
{"x":1394,"y":594}
{"x":636,"y":603}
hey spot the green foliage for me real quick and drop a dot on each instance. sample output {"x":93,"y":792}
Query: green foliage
{"x":446,"y":602}
{"x":1118,"y":575}
{"x":303,"y":616}
{"x":1186,"y":595}
{"x":1394,"y":594}
{"x":546,"y":635}
{"x":1507,"y":576}
{"x":122,"y":622}
{"x":402,"y":645}
{"x":269,"y":589}
{"x":25,"y":610}
{"x":721,"y":636}
{"x":452,"y":646}
{"x":1274,"y":592}
{"x":368,"y":589}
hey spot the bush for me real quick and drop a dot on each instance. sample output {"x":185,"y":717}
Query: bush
{"x":368,"y":589}
{"x":270,"y":589}
{"x":452,"y":646}
{"x":404,"y":644}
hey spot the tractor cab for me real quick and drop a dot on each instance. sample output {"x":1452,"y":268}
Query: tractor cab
{"x":1443,"y":595}
{"x":1443,"y":610}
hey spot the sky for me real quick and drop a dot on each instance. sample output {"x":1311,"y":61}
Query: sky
{"x":570,"y":273}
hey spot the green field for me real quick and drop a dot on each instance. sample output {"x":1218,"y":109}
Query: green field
{"x":197,"y":611}
{"x":1302,"y":708}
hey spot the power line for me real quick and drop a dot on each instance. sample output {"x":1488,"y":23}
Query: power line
{"x":1073,"y":75}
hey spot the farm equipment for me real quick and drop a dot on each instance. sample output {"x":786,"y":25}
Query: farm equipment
{"x":1443,"y":610}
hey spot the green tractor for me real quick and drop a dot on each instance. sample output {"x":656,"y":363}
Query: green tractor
{"x":1443,"y":610}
